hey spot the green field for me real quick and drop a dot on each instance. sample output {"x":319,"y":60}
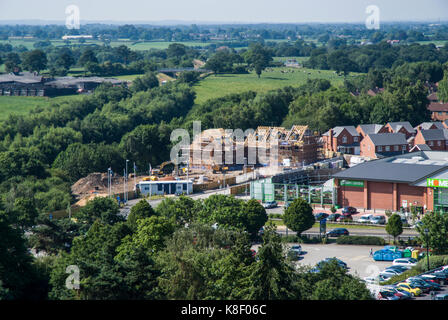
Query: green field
{"x":224,"y":84}
{"x":22,"y":105}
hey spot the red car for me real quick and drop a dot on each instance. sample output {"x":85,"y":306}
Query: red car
{"x":343,"y":218}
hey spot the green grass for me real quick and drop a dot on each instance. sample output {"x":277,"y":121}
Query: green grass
{"x":22,"y":105}
{"x":224,"y":84}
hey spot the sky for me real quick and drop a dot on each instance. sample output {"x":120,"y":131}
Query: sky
{"x":225,"y":11}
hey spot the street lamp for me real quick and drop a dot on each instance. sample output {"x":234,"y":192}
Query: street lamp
{"x":427,"y":247}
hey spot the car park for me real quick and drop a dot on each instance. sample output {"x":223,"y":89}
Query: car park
{"x":270,"y":204}
{"x":321,"y":215}
{"x":378,"y":220}
{"x":405,"y":262}
{"x":337,"y":232}
{"x":365,"y":218}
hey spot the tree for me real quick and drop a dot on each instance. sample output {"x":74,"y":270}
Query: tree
{"x":442,"y":91}
{"x":100,"y":208}
{"x":35,"y":60}
{"x":87,"y":56}
{"x":141,"y":210}
{"x":256,"y":216}
{"x":394,"y":226}
{"x":179,"y":210}
{"x":258,"y":57}
{"x":272,"y":278}
{"x":12,"y":62}
{"x":299,"y":216}
{"x":437,"y":225}
{"x":146,"y":82}
{"x":53,"y":235}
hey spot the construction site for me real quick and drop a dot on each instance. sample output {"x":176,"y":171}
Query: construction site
{"x":218,"y":159}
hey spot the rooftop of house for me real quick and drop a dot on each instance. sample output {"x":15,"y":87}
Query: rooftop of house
{"x":338,"y":130}
{"x":435,"y":134}
{"x":438,"y":107}
{"x":388,"y":139}
{"x":370,"y":128}
{"x":428,"y":125}
{"x":396,"y":126}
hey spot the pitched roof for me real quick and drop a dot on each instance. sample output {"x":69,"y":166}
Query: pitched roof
{"x":428,"y":125}
{"x":434,"y":134}
{"x":396,"y":126}
{"x":421,"y":147}
{"x":370,"y":128}
{"x":24,"y":77}
{"x":388,"y":139}
{"x":438,"y":107}
{"x":337,"y":131}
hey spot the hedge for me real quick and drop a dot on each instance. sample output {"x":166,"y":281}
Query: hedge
{"x":434,"y":263}
{"x":361,"y":240}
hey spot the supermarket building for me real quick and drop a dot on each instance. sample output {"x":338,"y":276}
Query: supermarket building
{"x":417,"y":179}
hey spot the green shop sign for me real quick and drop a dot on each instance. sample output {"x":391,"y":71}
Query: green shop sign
{"x":437,"y":183}
{"x":352,"y":183}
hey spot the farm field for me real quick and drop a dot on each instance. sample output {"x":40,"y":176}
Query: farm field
{"x":22,"y":105}
{"x":224,"y":84}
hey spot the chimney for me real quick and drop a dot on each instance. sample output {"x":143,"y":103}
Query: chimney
{"x":331,"y":139}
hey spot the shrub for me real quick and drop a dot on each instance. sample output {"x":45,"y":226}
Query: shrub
{"x":333,"y":209}
{"x":434,"y":262}
{"x":415,"y":271}
{"x":361,"y":240}
{"x":388,"y":213}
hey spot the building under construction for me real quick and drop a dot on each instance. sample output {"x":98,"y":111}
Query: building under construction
{"x":265,"y":146}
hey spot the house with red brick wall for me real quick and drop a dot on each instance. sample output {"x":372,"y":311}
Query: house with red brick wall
{"x":401,"y":127}
{"x":436,"y":139}
{"x":439,"y":111}
{"x":383,"y":145}
{"x":342,"y":139}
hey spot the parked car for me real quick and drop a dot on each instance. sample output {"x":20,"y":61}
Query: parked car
{"x":296,"y":248}
{"x":344,"y":219}
{"x":349,"y":210}
{"x":442,"y":296}
{"x":365,"y":218}
{"x":327,"y":260}
{"x":333,"y":216}
{"x":337,"y":232}
{"x":270,"y":204}
{"x":321,"y":215}
{"x":387,"y":295}
{"x":425,"y":287}
{"x":391,"y":271}
{"x":412,"y":289}
{"x":401,"y":294}
{"x":399,"y":268}
{"x":405,"y":262}
{"x":378,"y":220}
{"x":425,"y":283}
